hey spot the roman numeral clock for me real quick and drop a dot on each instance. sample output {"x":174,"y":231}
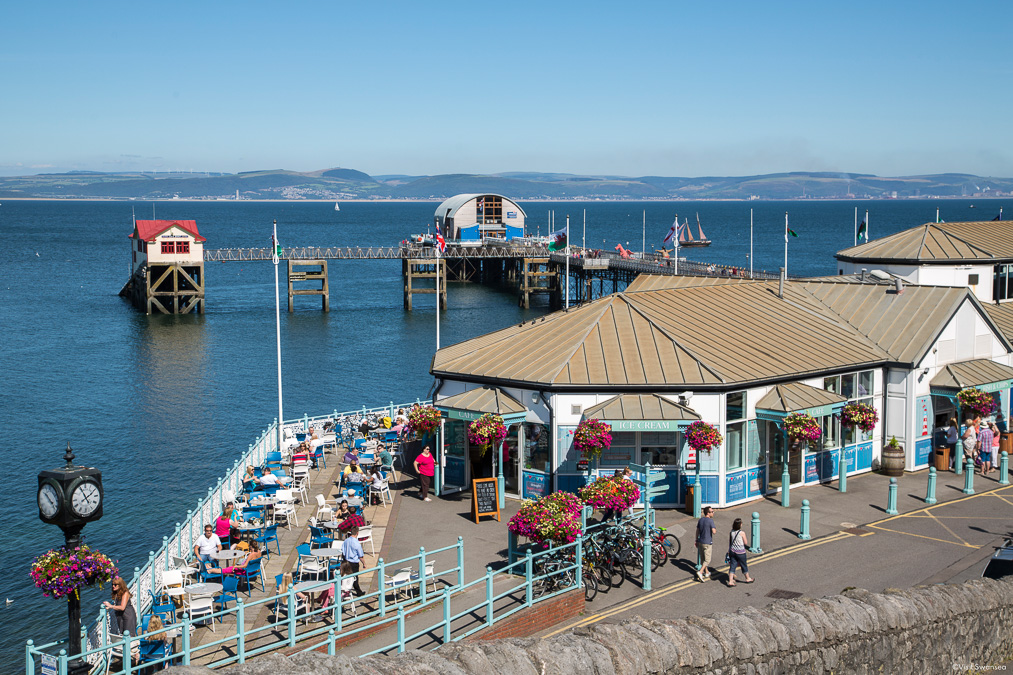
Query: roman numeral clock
{"x":70,"y":497}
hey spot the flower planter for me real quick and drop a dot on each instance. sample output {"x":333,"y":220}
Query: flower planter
{"x":893,"y":460}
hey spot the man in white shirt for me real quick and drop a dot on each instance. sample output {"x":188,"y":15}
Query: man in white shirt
{"x":207,"y":544}
{"x":269,"y":479}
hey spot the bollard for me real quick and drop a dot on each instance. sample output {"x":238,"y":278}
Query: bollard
{"x":958,"y":467}
{"x":842,"y":472}
{"x":785,"y":487}
{"x":891,"y":500}
{"x":804,"y":525}
{"x":1004,"y":469}
{"x":969,"y":477}
{"x":930,"y":495}
{"x":754,"y":534}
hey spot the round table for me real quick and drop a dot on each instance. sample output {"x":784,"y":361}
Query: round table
{"x":228,"y":554}
{"x":175,"y":591}
{"x":263,"y":501}
{"x":203,"y":589}
{"x":326,"y":552}
{"x":248,"y":530}
{"x":330,"y":525}
{"x":317,"y":586}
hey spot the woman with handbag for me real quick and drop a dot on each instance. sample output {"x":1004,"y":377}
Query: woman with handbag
{"x":737,"y":544}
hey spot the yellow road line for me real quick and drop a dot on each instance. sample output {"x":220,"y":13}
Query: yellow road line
{"x":922,"y":536}
{"x":947,"y":528}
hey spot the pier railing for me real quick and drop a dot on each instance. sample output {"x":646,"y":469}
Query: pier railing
{"x":147,"y":578}
{"x":402,"y":252}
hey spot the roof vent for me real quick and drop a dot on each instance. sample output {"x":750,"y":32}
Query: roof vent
{"x":879,"y":274}
{"x":898,"y":286}
{"x":863,"y":274}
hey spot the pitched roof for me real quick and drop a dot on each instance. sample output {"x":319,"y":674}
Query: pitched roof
{"x":984,"y":241}
{"x":786,"y":398}
{"x":710,"y":336}
{"x":483,"y":400}
{"x":1002,"y":315}
{"x":641,"y":407}
{"x":147,"y":230}
{"x":973,"y":373}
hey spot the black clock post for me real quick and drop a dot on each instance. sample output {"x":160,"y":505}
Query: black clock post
{"x":71,"y":497}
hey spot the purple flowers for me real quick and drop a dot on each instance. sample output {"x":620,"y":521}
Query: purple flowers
{"x":487,"y":429}
{"x":803,"y":427}
{"x":592,"y":437}
{"x":423,"y":419}
{"x":554,"y":518}
{"x":976,"y":401}
{"x":702,"y":437}
{"x":63,"y":570}
{"x":859,"y":415}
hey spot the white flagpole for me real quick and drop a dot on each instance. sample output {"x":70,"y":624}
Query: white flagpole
{"x":643,"y":245}
{"x":750,"y":243}
{"x":867,"y":225}
{"x":583,"y":236}
{"x":567,"y":262}
{"x":277,"y":325}
{"x":856,"y":226}
{"x":676,"y":236}
{"x":437,"y":249}
{"x":785,"y":244}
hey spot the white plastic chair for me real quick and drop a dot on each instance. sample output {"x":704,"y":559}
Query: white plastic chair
{"x":202,"y":606}
{"x":181,"y":565}
{"x":348,"y":592}
{"x":310,"y":564}
{"x":325,"y":511}
{"x":285,"y":508}
{"x":366,"y":535}
{"x":383,"y":491}
{"x":172,"y":579}
{"x":399,"y":583}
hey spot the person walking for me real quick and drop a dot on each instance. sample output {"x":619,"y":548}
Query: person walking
{"x":985,"y":438}
{"x":737,"y":544}
{"x":968,"y":441}
{"x":425,"y":467}
{"x":352,"y":553}
{"x":705,"y":531}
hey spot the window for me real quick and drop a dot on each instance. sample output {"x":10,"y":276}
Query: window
{"x":972,"y":279}
{"x":735,"y":431}
{"x":168,"y":248}
{"x":864,"y":393}
{"x":182,"y":247}
{"x":660,"y":448}
{"x":620,"y":454}
{"x":1002,"y":282}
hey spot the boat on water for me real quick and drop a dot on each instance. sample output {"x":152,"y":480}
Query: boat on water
{"x":336,"y":207}
{"x":686,"y":239}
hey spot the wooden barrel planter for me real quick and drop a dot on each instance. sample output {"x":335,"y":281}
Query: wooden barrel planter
{"x":893,"y":461}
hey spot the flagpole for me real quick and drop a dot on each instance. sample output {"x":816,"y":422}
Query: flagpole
{"x":856,"y":227}
{"x":643,"y":244}
{"x":437,"y":250}
{"x":750,"y":243}
{"x":277,"y":324}
{"x":567,"y":261}
{"x":785,"y":244}
{"x":583,"y":237}
{"x":676,"y":235}
{"x":866,"y":225}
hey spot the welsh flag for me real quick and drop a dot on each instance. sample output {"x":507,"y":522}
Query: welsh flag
{"x":275,"y":246}
{"x":862,"y":233}
{"x":558,"y":240}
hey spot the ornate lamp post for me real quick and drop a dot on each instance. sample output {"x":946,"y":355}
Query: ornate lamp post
{"x":71,"y":497}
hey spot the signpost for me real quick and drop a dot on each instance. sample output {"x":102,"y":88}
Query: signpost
{"x":484,"y":498}
{"x":648,"y":491}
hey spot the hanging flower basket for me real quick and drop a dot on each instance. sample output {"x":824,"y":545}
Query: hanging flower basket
{"x":64,"y":571}
{"x":555,"y":518}
{"x":610,"y":492}
{"x":592,"y":437}
{"x":802,"y":427}
{"x":859,"y":415}
{"x":486,"y":430}
{"x":976,"y":401}
{"x":703,"y":437}
{"x":423,"y":419}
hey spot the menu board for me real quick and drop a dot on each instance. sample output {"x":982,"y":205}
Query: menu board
{"x":484,"y":498}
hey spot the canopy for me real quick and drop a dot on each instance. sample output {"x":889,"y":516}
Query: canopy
{"x":984,"y":374}
{"x":474,"y":403}
{"x":798,"y":397}
{"x":642,"y":412}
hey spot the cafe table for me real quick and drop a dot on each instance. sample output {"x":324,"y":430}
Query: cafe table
{"x":228,"y":554}
{"x":248,"y":530}
{"x":208,"y":588}
{"x":326,"y":552}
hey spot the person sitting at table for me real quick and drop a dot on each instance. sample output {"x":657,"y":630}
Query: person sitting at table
{"x":304,"y":453}
{"x":401,"y":418}
{"x":155,"y":627}
{"x":376,"y":478}
{"x":286,"y":584}
{"x":343,"y":510}
{"x":350,"y":454}
{"x":223,"y":524}
{"x":353,"y":472}
{"x":353,"y":520}
{"x":207,"y":544}
{"x":383,"y":456}
{"x":269,"y":479}
{"x":250,"y":480}
{"x":240,"y":569}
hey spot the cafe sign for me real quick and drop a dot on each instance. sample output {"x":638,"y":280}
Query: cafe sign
{"x":648,"y":425}
{"x":992,"y":387}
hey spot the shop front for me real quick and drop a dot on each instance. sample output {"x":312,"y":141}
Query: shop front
{"x":982,"y":374}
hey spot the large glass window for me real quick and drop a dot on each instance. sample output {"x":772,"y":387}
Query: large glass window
{"x":863,"y":393}
{"x":536,"y":447}
{"x":1002,"y":282}
{"x":660,"y":448}
{"x":755,"y":445}
{"x":735,"y":431}
{"x":622,"y":451}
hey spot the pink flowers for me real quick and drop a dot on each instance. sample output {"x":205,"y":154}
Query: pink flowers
{"x":592,"y":437}
{"x":803,"y":427}
{"x":423,"y":419}
{"x":976,"y":401}
{"x":610,"y":492}
{"x":555,"y":518}
{"x":859,"y":415}
{"x":487,"y":429}
{"x":702,"y":437}
{"x":63,"y":571}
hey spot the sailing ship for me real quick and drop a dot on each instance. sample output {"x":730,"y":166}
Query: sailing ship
{"x":686,"y":239}
{"x":336,"y":207}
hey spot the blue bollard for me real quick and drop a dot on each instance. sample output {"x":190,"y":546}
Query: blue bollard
{"x":891,"y":500}
{"x":804,"y":525}
{"x":842,"y":472}
{"x":958,"y":466}
{"x":785,"y":486}
{"x":969,"y":477}
{"x":930,"y":495}
{"x":754,"y":534}
{"x":1004,"y":469}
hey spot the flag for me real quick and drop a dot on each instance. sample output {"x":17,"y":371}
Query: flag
{"x":862,"y":234}
{"x":671,"y":230}
{"x":787,"y":231}
{"x":440,"y":241}
{"x":275,"y":246}
{"x":558,"y":240}
{"x":999,"y":217}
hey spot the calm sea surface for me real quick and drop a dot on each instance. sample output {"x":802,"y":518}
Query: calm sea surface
{"x":164,"y":405}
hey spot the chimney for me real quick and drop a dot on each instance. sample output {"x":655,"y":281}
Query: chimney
{"x":780,"y":284}
{"x":862,"y":278}
{"x":898,"y":285}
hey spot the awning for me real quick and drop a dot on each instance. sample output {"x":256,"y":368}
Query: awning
{"x":474,"y":403}
{"x":983,"y":374}
{"x":642,"y":412}
{"x":798,"y":397}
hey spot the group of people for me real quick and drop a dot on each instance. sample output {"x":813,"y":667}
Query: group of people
{"x":979,"y":441}
{"x":737,"y":546}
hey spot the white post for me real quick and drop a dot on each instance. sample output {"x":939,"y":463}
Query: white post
{"x":567,"y":262}
{"x":785,"y":244}
{"x":856,"y":226}
{"x":437,"y":249}
{"x":750,"y":243}
{"x":277,"y":322}
{"x":867,"y":225}
{"x":676,"y":237}
{"x":583,"y":236}
{"x":643,"y":244}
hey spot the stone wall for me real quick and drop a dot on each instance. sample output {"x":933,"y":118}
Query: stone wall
{"x":933,"y":629}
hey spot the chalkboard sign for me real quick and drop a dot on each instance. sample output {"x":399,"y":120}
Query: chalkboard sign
{"x":484,"y":498}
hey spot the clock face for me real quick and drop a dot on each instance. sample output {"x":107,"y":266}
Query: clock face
{"x":85,"y":499}
{"x":49,"y":500}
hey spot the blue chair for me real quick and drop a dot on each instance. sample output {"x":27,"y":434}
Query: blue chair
{"x":154,"y":650}
{"x":258,"y":472}
{"x":207,"y":575}
{"x":300,"y":437}
{"x":280,"y":473}
{"x":253,"y":512}
{"x":320,"y":538}
{"x":270,"y":534}
{"x":230,"y":587}
{"x":253,"y":573}
{"x":318,"y":457}
{"x":164,"y":608}
{"x":359,"y":443}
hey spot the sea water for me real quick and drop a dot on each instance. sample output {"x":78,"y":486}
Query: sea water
{"x":164,"y":405}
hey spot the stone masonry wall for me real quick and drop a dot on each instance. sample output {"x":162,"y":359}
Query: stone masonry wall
{"x":933,"y":629}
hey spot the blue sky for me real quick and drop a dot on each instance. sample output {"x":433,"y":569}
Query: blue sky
{"x":640,"y":88}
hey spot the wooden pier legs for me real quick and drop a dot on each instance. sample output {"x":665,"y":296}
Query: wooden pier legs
{"x":313,"y":276}
{"x":413,"y":270}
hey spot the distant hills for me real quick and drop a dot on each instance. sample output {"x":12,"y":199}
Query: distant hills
{"x":343,"y":183}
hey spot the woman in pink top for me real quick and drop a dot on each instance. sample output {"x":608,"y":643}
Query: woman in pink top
{"x":425,"y":466}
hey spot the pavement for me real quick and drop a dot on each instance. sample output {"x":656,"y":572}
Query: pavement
{"x":855,"y":543}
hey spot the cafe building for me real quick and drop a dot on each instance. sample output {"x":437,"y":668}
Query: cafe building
{"x":739,"y":355}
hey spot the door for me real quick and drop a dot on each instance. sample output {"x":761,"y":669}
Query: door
{"x":511,"y":460}
{"x":455,"y":456}
{"x":774,"y":440}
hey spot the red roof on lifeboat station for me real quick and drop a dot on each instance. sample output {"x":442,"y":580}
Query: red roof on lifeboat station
{"x":147,"y":230}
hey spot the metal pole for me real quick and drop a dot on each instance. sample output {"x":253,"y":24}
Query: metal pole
{"x":891,"y":498}
{"x":785,"y":244}
{"x":750,"y":243}
{"x":856,"y":226}
{"x":643,"y":243}
{"x":785,"y":476}
{"x":867,"y":225}
{"x":842,"y":472}
{"x":969,"y":477}
{"x":437,"y":249}
{"x":567,"y":305}
{"x":754,"y":534}
{"x":277,"y":324}
{"x":583,"y":236}
{"x":930,"y":494}
{"x":804,"y":523}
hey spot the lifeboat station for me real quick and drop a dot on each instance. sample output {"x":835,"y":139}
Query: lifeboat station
{"x":740,"y":355}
